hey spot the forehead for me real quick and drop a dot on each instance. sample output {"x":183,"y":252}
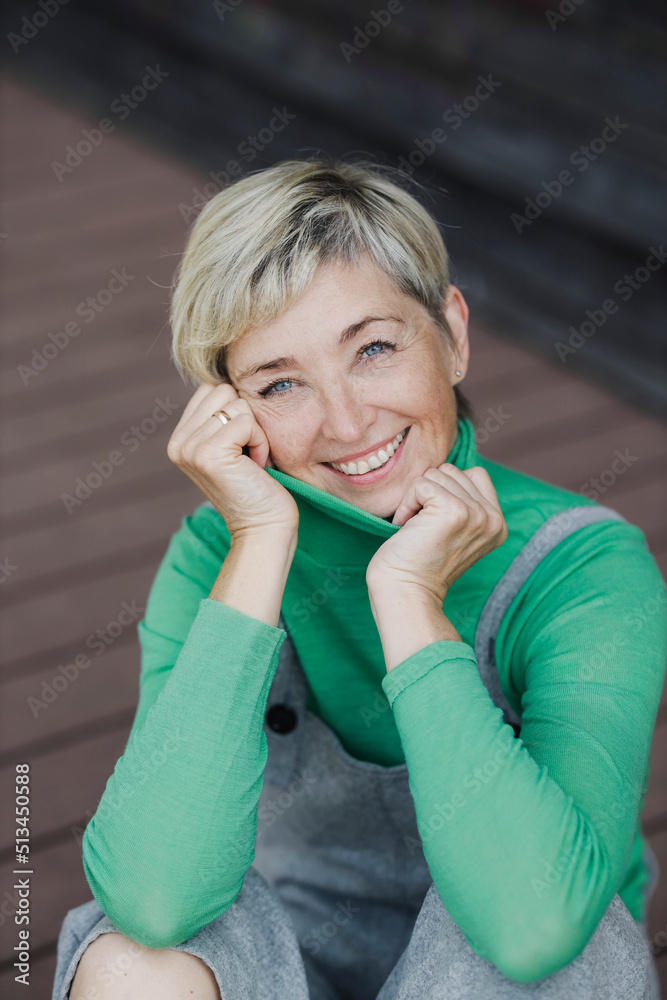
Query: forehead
{"x":339,"y":295}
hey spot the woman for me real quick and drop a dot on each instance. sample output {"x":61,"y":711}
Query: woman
{"x":396,"y":700}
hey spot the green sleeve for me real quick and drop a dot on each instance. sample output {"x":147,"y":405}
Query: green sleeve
{"x":514,"y":830}
{"x":174,"y":833}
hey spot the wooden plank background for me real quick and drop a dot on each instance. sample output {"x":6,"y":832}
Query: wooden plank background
{"x":72,"y":571}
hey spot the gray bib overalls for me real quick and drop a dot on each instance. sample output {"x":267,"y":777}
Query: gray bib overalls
{"x":339,"y":903}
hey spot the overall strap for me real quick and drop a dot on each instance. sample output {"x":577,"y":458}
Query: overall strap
{"x":554,"y":530}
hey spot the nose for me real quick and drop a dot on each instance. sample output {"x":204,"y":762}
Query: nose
{"x":345,"y":417}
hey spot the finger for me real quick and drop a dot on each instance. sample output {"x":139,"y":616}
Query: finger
{"x":469,"y":481}
{"x":476,"y":481}
{"x":453,"y":480}
{"x":258,"y":443}
{"x":483,"y":483}
{"x":206,"y":400}
{"x":194,"y":401}
{"x":459,"y":485}
{"x":240,"y":430}
{"x":420,"y":492}
{"x":219,"y":397}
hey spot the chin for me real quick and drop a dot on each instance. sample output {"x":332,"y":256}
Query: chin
{"x":385,"y":510}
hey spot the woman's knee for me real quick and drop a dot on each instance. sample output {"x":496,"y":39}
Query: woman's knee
{"x":114,"y":966}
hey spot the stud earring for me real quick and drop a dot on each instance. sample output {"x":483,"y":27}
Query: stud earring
{"x":458,"y":372}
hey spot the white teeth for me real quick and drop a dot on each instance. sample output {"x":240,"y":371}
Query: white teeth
{"x":376,"y":461}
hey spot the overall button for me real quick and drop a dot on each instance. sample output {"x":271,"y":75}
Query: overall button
{"x":281,"y":718}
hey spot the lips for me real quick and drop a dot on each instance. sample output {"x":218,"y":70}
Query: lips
{"x":374,"y":465}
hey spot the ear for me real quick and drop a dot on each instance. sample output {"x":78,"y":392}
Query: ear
{"x":456,"y":313}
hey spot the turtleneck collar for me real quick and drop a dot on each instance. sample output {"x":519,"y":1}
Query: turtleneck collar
{"x":335,"y":532}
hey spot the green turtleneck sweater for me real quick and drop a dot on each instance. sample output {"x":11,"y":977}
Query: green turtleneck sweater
{"x":581,"y":656}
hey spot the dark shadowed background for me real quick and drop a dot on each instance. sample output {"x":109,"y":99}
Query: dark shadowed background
{"x":538,"y":131}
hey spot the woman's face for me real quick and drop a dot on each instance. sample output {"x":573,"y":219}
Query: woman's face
{"x":348,"y":368}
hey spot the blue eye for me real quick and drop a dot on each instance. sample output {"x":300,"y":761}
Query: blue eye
{"x":377,"y":343}
{"x":270,"y":389}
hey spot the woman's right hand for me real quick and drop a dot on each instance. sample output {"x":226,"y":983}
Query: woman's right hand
{"x":211,"y":455}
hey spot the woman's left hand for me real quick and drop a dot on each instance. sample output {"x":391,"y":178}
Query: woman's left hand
{"x":450,"y":518}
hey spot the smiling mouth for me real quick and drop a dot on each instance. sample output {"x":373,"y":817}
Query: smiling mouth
{"x":373,"y":462}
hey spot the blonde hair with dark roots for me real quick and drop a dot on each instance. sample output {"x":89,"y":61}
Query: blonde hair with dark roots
{"x":255,"y":246}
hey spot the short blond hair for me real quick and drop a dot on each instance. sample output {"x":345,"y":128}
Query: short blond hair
{"x":255,"y":246}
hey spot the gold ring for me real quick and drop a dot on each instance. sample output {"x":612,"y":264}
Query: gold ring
{"x":224,"y":417}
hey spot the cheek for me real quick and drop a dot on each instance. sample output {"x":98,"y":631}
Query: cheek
{"x":434,"y":396}
{"x":286,"y":433}
{"x":412,"y":394}
{"x":274,"y":420}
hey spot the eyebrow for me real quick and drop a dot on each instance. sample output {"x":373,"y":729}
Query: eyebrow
{"x":289,"y":362}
